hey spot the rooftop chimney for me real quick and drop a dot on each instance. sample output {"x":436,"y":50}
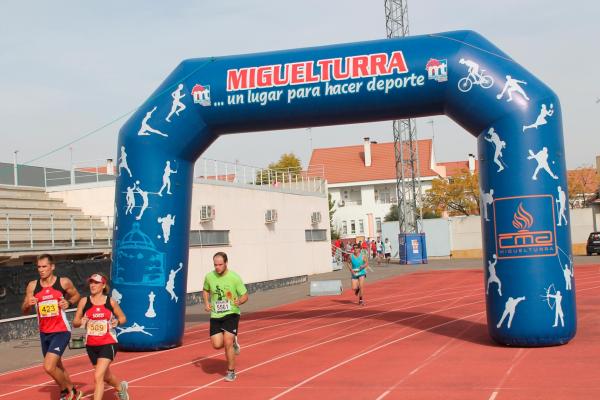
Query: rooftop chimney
{"x":367,"y":145}
{"x":471,"y":164}
{"x":110,"y":167}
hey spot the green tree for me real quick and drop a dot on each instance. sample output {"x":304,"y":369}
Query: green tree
{"x":334,"y":232}
{"x":287,"y":168}
{"x":583,"y":185}
{"x":392,"y":215}
{"x":458,"y":195}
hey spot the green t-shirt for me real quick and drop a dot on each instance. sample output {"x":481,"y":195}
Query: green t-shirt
{"x":224,"y":289}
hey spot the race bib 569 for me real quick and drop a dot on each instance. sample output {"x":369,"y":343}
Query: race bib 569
{"x":97,"y":328}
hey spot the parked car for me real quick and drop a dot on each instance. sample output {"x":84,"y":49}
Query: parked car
{"x":593,"y":244}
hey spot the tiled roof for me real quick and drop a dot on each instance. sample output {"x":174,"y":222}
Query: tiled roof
{"x":98,"y":170}
{"x":346,"y":164}
{"x":456,"y":167}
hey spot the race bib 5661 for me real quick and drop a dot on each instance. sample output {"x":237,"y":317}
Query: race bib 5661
{"x":222,"y":306}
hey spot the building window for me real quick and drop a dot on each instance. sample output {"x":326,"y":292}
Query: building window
{"x":361,"y":226}
{"x":378,"y":224}
{"x":344,"y":227}
{"x":352,"y":227}
{"x":315,"y":235}
{"x":209,"y":238}
{"x":385,"y":197}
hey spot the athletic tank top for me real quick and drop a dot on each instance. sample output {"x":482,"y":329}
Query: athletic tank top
{"x":51,"y":318}
{"x":98,"y":329}
{"x":357,"y":262}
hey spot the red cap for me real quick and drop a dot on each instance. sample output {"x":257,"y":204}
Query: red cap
{"x":97,"y":278}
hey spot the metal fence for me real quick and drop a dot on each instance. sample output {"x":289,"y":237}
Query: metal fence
{"x":28,"y":175}
{"x":289,"y":179}
{"x":51,"y":231}
{"x":14,"y":280}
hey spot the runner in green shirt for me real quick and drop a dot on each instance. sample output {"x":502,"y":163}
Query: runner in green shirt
{"x":223,"y":293}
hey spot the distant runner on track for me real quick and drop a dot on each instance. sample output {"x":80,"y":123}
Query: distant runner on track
{"x":358,"y":268}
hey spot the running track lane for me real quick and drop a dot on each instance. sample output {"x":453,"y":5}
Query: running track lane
{"x":78,"y":366}
{"x":132,"y":362}
{"x":314,"y":367}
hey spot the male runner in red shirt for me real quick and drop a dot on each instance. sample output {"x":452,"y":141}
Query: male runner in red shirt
{"x":47,"y":295}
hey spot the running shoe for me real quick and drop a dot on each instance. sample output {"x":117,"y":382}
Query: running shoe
{"x":361,"y":302}
{"x":64,"y":394}
{"x":236,"y":346}
{"x":74,"y":394}
{"x":122,"y":394}
{"x":230,"y":377}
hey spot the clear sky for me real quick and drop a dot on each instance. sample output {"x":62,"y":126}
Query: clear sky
{"x":68,"y":68}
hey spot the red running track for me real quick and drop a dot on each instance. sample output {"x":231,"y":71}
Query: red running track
{"x":420,"y":336}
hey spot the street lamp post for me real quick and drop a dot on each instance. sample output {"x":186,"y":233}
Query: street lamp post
{"x":309,"y":130}
{"x":431,"y":122}
{"x":16,"y":168}
{"x":72,"y":169}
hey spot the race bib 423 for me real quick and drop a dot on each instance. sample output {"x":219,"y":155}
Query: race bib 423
{"x":48,"y":308}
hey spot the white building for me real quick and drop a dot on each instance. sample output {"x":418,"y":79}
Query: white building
{"x":362,"y":182}
{"x":262,"y":227}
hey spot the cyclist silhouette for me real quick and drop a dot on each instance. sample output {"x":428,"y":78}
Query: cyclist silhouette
{"x":475,"y":77}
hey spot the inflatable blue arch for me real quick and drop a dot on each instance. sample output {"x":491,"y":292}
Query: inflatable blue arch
{"x":529,"y":288}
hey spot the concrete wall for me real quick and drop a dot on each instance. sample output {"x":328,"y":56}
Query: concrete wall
{"x":93,"y":198}
{"x":437,"y":236}
{"x":581,"y":223}
{"x":465,"y":237}
{"x":464,"y":240}
{"x":258,"y":251}
{"x":465,"y":233}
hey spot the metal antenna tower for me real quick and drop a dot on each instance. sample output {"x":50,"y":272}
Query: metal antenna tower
{"x":408,"y":178}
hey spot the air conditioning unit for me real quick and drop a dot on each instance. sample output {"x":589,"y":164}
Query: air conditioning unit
{"x":207,"y":213}
{"x":270,"y":216}
{"x":315,"y":217}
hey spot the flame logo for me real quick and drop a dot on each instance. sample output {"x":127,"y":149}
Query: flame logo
{"x":522,"y":220}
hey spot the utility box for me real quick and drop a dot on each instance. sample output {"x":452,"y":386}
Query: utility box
{"x":412,"y":248}
{"x":326,"y":288}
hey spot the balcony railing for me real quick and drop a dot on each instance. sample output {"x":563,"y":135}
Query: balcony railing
{"x":288,"y":180}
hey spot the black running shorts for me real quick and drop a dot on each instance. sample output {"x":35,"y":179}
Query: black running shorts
{"x":228,"y":323}
{"x":108,"y":351}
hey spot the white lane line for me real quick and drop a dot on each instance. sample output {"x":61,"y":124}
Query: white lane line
{"x":200,"y":342}
{"x":249,"y":321}
{"x":304,"y":321}
{"x":521,"y":353}
{"x":338,"y":337}
{"x":279,"y":337}
{"x":426,"y":362}
{"x":384,"y":282}
{"x":370,"y":351}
